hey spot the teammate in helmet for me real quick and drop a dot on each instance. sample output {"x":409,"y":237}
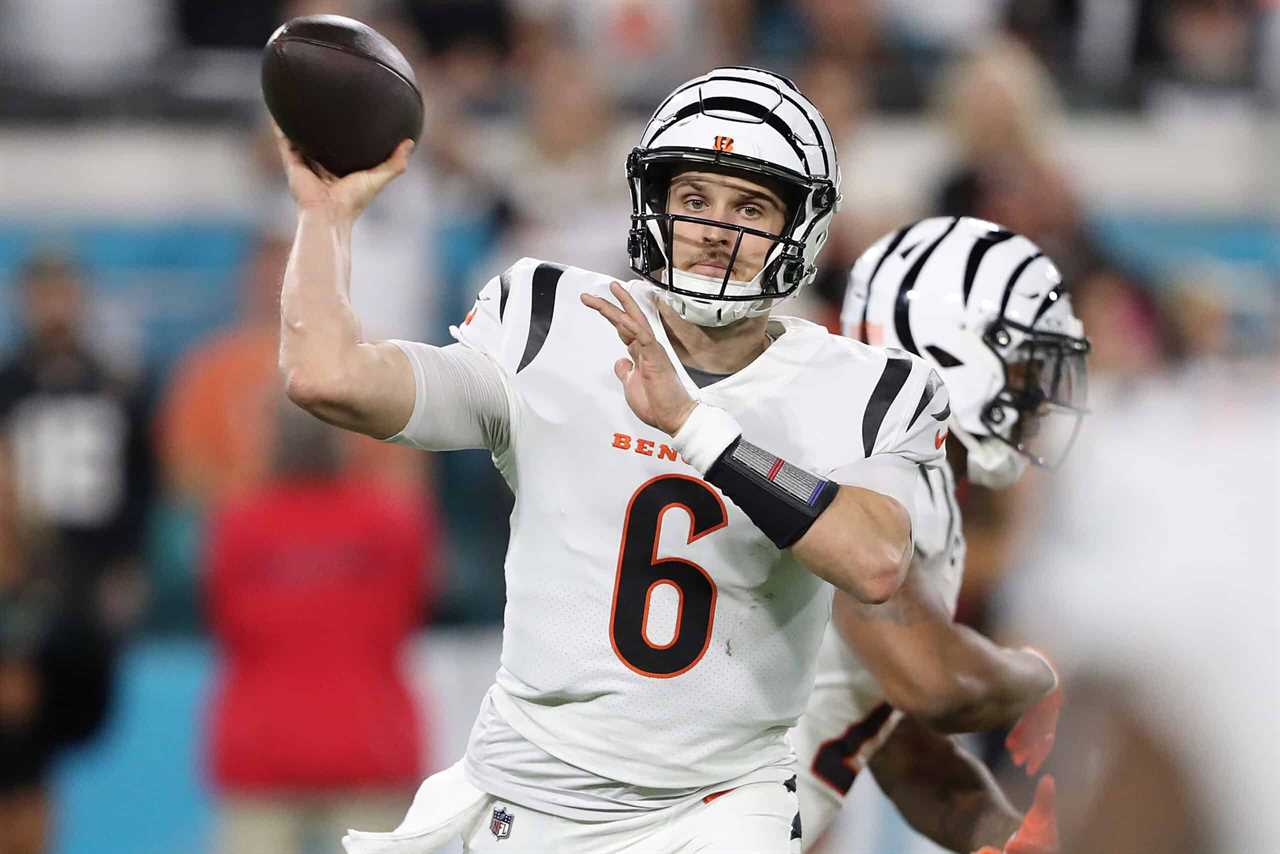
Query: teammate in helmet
{"x":685,"y":482}
{"x":988,"y":310}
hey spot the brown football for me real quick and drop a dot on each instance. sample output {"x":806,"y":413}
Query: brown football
{"x":340,"y":91}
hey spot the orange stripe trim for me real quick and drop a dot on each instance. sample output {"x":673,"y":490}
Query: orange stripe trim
{"x":711,"y":797}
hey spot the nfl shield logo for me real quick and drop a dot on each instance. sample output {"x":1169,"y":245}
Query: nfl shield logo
{"x":500,"y":824}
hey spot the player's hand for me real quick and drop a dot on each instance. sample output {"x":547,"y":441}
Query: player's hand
{"x":649,"y":380}
{"x":1031,"y":740}
{"x":347,"y":196}
{"x":1039,"y":831}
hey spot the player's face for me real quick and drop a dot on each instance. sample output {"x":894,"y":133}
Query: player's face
{"x":706,"y":249}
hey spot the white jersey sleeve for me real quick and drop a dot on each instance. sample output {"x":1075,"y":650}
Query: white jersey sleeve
{"x":461,"y":400}
{"x":466,"y":395}
{"x":903,"y":430}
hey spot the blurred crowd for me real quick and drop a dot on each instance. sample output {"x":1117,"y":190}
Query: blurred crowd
{"x":178,"y":499}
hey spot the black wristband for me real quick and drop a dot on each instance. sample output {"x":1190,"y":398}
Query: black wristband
{"x":781,"y":499}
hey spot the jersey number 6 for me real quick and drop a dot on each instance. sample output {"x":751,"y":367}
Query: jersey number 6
{"x":641,"y":571}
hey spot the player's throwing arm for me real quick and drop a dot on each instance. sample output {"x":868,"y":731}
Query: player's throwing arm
{"x":327,"y":368}
{"x":857,"y":539}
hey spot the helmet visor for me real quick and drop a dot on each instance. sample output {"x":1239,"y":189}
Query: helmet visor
{"x":1046,"y":383}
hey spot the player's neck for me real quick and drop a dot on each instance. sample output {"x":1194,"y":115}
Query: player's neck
{"x":715,"y":349}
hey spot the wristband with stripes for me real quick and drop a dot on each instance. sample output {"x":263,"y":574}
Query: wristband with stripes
{"x":783,"y":500}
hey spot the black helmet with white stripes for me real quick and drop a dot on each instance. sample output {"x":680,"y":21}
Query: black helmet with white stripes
{"x":748,"y":122}
{"x":987,"y":307}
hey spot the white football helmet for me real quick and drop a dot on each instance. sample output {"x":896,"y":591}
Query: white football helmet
{"x":988,"y":309}
{"x":751,"y":123}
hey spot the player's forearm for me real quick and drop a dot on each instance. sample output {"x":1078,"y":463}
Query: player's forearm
{"x":319,"y":332}
{"x":934,"y":669}
{"x":861,"y":544}
{"x":942,"y":791}
{"x":991,"y":685}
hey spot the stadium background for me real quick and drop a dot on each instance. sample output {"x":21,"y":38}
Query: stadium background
{"x":1135,"y":139}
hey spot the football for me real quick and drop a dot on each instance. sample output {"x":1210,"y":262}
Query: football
{"x":341,"y":92}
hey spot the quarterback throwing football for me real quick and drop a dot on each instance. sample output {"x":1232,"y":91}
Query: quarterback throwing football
{"x":688,"y":472}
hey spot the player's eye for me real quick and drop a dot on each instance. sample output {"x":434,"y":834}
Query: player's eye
{"x":695,"y":203}
{"x":751,"y":211}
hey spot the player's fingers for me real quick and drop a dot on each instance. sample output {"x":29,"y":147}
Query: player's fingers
{"x":613,"y":314}
{"x":398,"y":161}
{"x":622,"y":369}
{"x":632,"y":310}
{"x":1046,"y":794}
{"x":391,"y":168}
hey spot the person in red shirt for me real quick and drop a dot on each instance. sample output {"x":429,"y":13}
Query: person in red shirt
{"x":316,"y":581}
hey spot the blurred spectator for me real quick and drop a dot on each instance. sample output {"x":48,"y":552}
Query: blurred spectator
{"x":242,"y":24}
{"x":1199,"y":53}
{"x":56,"y":674}
{"x":69,"y":47}
{"x":953,"y":26}
{"x":1131,"y":336}
{"x":466,"y":46}
{"x":74,"y":478}
{"x":78,"y":455}
{"x":215,"y":423}
{"x":571,"y":202}
{"x":859,"y":34}
{"x":872,"y":203}
{"x":635,"y":51}
{"x":316,"y":581}
{"x":1048,"y":28}
{"x":1000,"y":109}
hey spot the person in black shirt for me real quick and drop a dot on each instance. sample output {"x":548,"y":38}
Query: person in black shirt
{"x":74,"y":483}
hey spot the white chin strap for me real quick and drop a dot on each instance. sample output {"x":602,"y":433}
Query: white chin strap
{"x":713,"y":311}
{"x":992,"y":463}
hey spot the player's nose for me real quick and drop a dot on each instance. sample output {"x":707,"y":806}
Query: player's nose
{"x":714,"y":234}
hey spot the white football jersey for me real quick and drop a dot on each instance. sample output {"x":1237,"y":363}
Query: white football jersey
{"x":653,"y":635}
{"x":848,"y":718}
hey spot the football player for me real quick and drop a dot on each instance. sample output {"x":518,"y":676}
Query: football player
{"x":686,"y":482}
{"x":987,"y":309}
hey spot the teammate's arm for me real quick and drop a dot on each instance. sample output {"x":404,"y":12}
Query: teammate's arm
{"x":327,"y":368}
{"x":857,"y":539}
{"x":937,"y":670}
{"x":941,"y":790}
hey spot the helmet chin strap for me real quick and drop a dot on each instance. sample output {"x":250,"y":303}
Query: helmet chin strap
{"x":991,"y":463}
{"x":711,"y":310}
